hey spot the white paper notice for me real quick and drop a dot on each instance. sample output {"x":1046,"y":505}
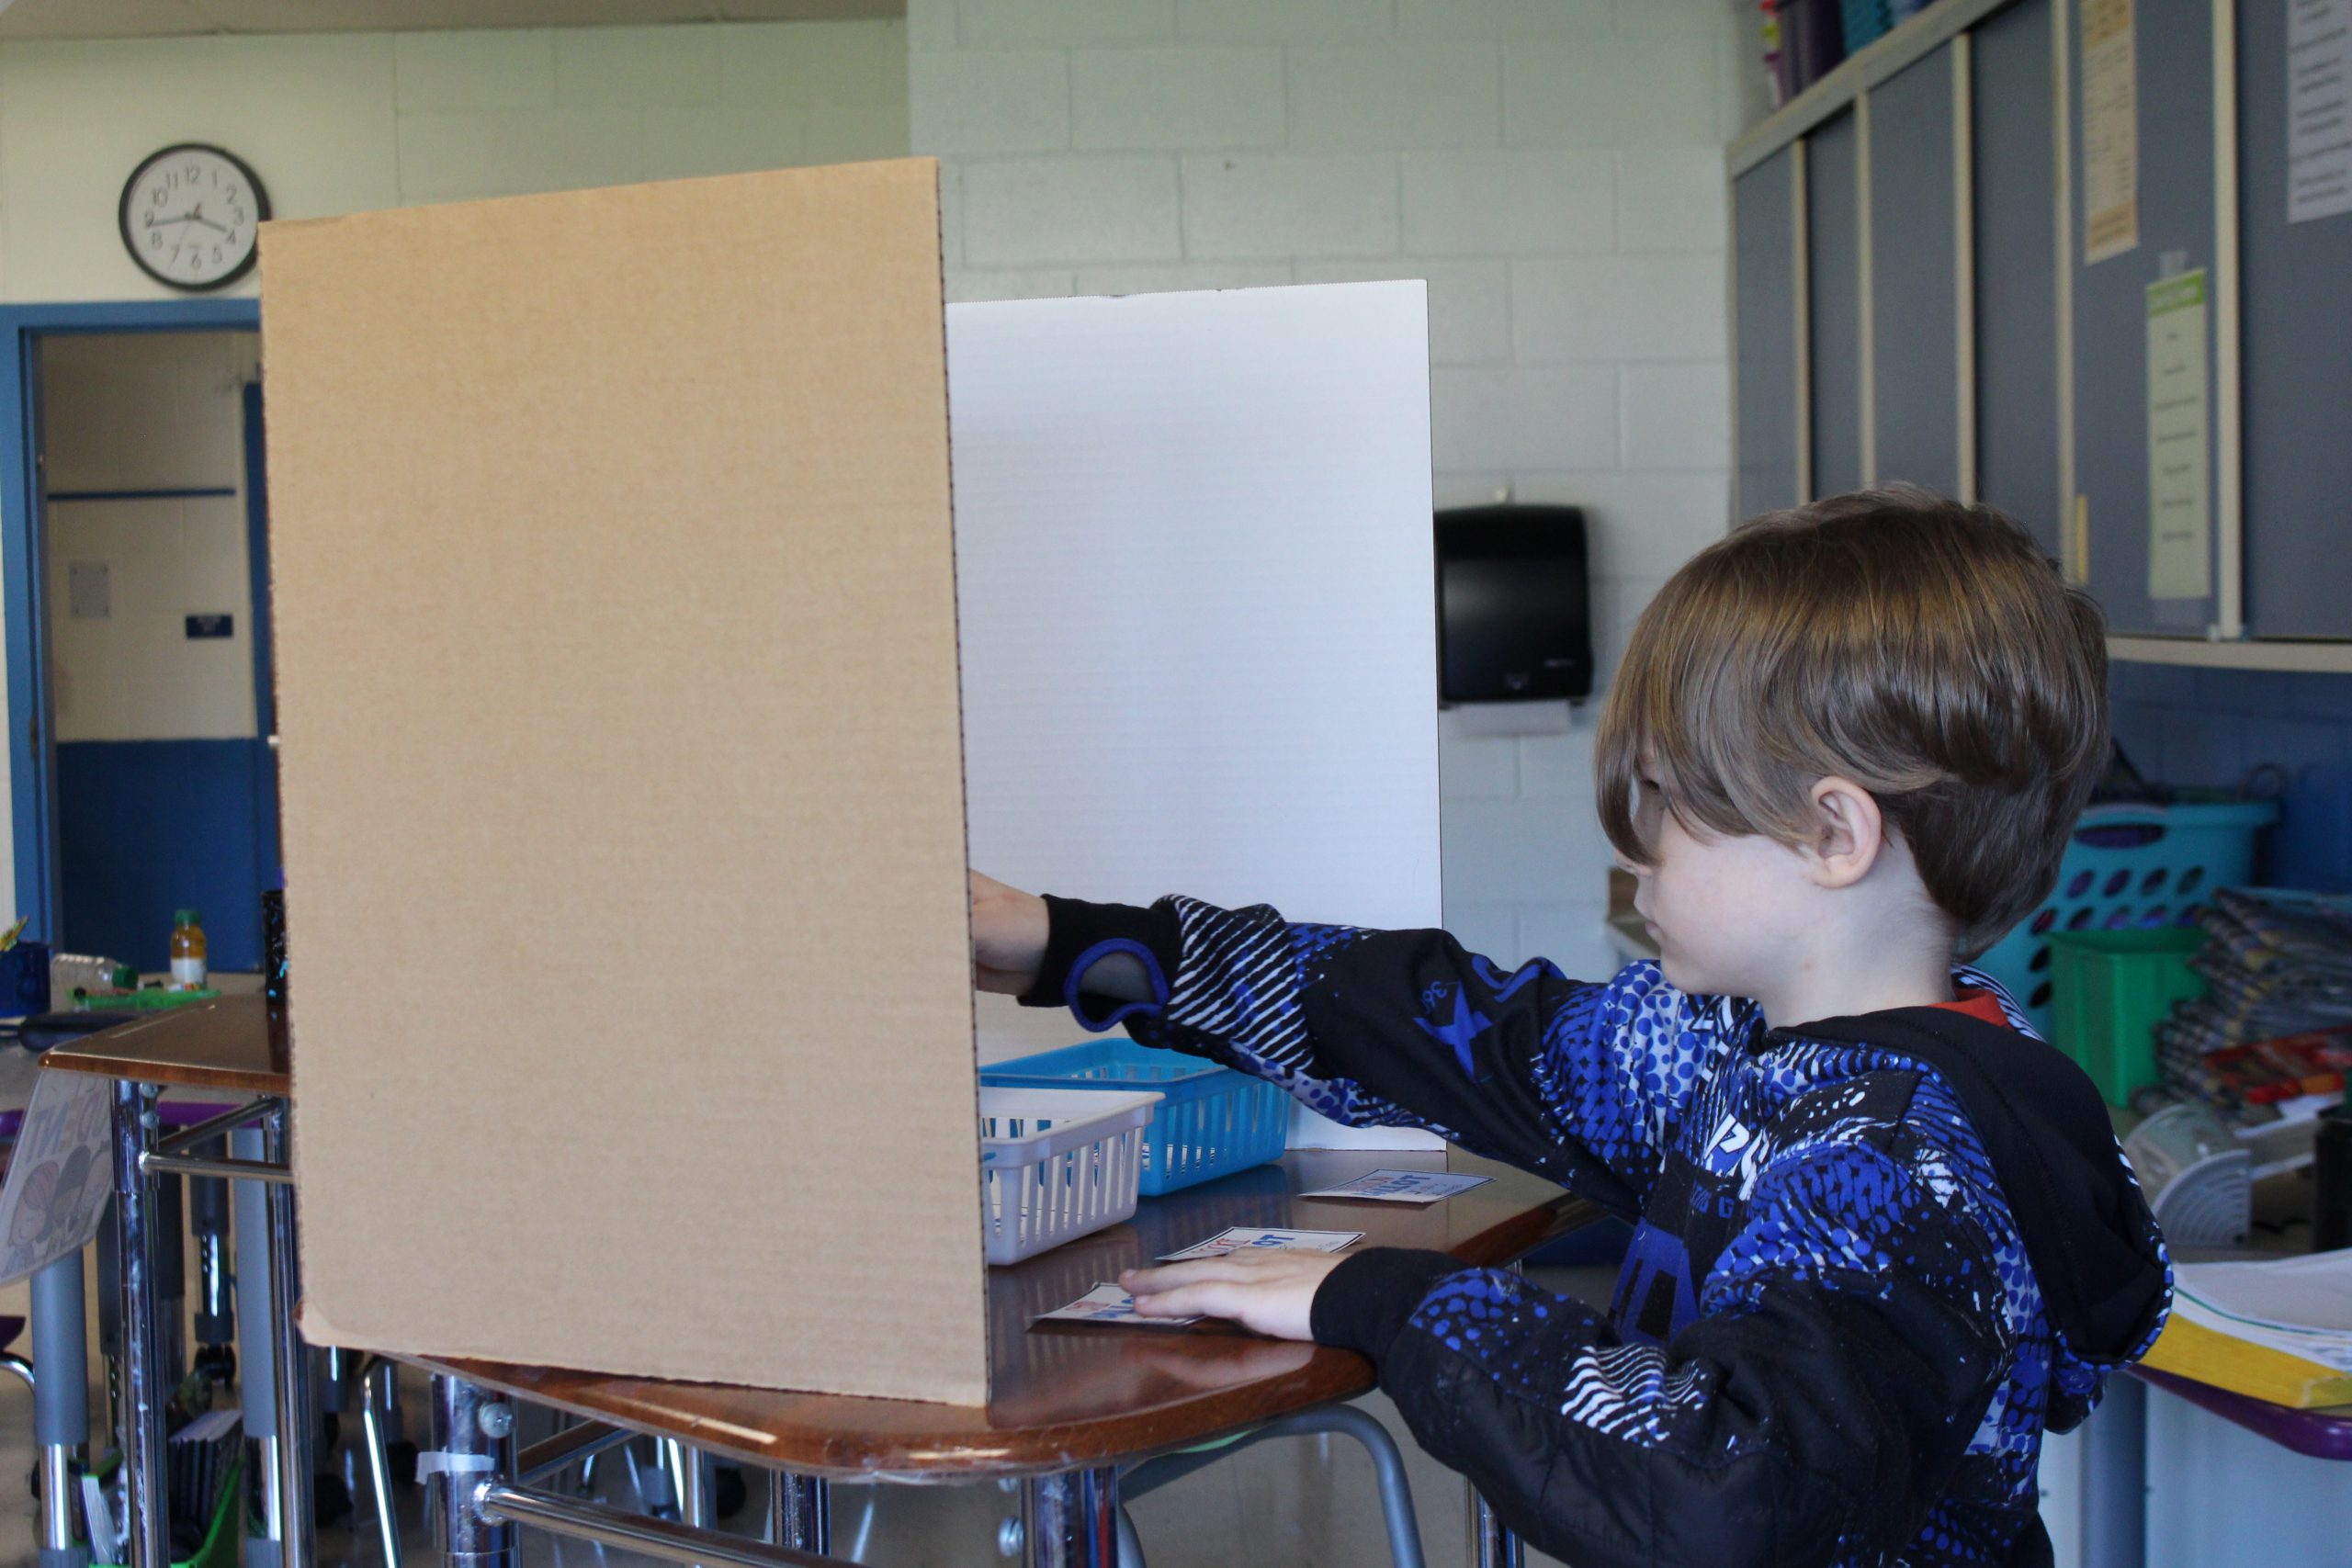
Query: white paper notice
{"x":1193,"y":567}
{"x":2319,"y":108}
{"x":2181,"y":551}
{"x":1108,"y":1303}
{"x":2110,"y":130}
{"x":1254,"y":1238}
{"x":1403,"y":1186}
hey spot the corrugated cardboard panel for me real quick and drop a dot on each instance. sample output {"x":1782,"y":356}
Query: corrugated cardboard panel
{"x":1193,"y":543}
{"x":622,"y":781}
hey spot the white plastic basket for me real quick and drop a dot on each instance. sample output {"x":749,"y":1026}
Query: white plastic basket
{"x":1057,"y":1164}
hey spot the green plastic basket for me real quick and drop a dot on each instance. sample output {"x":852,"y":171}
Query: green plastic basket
{"x":2112,"y":990}
{"x":224,"y":1539}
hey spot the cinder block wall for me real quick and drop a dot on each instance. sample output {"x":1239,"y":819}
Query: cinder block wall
{"x":347,"y":122}
{"x":1552,"y":167}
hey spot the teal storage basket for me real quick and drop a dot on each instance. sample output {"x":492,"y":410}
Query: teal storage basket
{"x":1864,"y":22}
{"x":2129,"y":868}
{"x":1211,"y":1122}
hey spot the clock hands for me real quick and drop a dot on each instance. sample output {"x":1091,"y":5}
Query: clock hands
{"x":193,"y":215}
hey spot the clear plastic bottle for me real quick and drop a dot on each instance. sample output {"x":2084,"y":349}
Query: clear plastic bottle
{"x":187,"y":951}
{"x":86,"y":973}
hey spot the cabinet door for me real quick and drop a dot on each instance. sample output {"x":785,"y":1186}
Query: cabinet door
{"x":1915,"y":312}
{"x":1764,"y":243}
{"x":2015,"y":210}
{"x":1833,"y":251}
{"x":2152,"y":519}
{"x":2296,"y":328}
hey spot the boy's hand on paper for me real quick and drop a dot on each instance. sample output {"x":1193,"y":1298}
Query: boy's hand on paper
{"x":1271,"y":1291}
{"x":1009,"y":928}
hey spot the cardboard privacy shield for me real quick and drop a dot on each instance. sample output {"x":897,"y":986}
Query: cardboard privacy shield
{"x":1193,"y":574}
{"x":623,"y":762}
{"x":624,"y":823}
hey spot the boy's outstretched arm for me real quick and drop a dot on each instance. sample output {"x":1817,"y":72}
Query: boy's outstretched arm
{"x":1574,"y":1080}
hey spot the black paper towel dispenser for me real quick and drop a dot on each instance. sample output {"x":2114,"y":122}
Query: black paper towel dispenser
{"x":1513,"y":609}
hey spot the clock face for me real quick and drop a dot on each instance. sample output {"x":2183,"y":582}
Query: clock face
{"x":190,"y":215}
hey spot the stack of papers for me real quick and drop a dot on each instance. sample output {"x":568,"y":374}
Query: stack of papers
{"x":2276,"y":1330}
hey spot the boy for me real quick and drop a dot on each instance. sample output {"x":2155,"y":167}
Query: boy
{"x":1885,"y":1236}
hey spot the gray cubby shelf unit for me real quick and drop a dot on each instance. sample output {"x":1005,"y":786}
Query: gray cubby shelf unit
{"x":1913,"y":299}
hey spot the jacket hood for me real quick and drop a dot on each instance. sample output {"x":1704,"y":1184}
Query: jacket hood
{"x":2097,"y":1254}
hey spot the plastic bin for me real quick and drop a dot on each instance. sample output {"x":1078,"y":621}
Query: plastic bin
{"x":224,"y":1538}
{"x":1057,"y":1164}
{"x":2129,"y":868}
{"x":1863,"y":22}
{"x":2113,"y":989}
{"x":1214,"y":1121}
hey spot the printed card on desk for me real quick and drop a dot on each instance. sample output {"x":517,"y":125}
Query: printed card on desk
{"x":1108,"y":1303}
{"x":1404,"y":1185}
{"x":1257,"y":1238}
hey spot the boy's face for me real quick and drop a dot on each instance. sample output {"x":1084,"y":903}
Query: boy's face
{"x":1722,"y":908}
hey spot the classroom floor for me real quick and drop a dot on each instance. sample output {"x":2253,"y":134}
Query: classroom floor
{"x":1308,"y":1503}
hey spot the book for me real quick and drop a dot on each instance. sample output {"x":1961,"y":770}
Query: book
{"x":2188,"y":1348}
{"x":2277,"y":1329}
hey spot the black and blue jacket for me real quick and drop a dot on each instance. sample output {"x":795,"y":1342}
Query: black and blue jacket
{"x":1876,"y":1256}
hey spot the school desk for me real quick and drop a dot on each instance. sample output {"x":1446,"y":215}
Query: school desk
{"x":1071,"y":1404}
{"x":235,"y":1046}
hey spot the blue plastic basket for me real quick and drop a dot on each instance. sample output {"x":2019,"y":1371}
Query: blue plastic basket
{"x":1211,"y":1122}
{"x":2129,"y":867}
{"x":1865,"y":21}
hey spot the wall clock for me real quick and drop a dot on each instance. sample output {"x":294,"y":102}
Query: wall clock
{"x":191,"y":216}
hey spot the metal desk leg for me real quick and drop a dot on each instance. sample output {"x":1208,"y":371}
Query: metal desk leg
{"x":2115,"y":1477}
{"x":697,"y":1500}
{"x":147,"y":1528}
{"x":800,"y":1512}
{"x":384,"y":1375}
{"x":208,"y":1209}
{"x":1493,"y":1544}
{"x":473,"y":1432}
{"x":296,"y":1419}
{"x":257,"y":1345}
{"x":1072,"y":1518}
{"x":61,"y":1403}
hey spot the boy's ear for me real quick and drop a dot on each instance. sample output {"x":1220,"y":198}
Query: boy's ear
{"x":1848,"y":832}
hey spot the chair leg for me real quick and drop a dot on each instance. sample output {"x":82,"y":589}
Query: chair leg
{"x":1388,"y":1465}
{"x":19,"y":1366}
{"x":379,"y":1463}
{"x":1395,"y":1485}
{"x":1130,"y":1545}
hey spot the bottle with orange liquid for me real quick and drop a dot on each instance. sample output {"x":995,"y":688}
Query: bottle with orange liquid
{"x":187,"y":951}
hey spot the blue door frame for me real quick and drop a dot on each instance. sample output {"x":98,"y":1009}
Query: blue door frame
{"x":32,"y":769}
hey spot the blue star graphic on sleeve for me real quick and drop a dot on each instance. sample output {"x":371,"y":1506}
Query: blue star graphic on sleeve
{"x":1466,"y":1025}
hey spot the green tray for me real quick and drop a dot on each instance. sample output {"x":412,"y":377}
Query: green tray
{"x":225,"y":1541}
{"x":2111,"y":990}
{"x":148,"y":998}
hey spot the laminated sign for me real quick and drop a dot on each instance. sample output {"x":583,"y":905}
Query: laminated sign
{"x":622,"y":743}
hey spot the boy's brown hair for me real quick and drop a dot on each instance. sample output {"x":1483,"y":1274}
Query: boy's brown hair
{"x":1925,"y":650}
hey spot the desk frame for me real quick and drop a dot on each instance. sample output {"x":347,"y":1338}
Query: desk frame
{"x":265,"y":1309}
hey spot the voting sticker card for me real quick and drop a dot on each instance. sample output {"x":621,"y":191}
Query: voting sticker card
{"x":1108,"y":1303}
{"x":1258,"y":1238}
{"x":1404,"y":1185}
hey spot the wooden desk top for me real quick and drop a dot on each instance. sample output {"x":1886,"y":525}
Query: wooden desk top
{"x":235,"y":1044}
{"x":1074,"y":1395}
